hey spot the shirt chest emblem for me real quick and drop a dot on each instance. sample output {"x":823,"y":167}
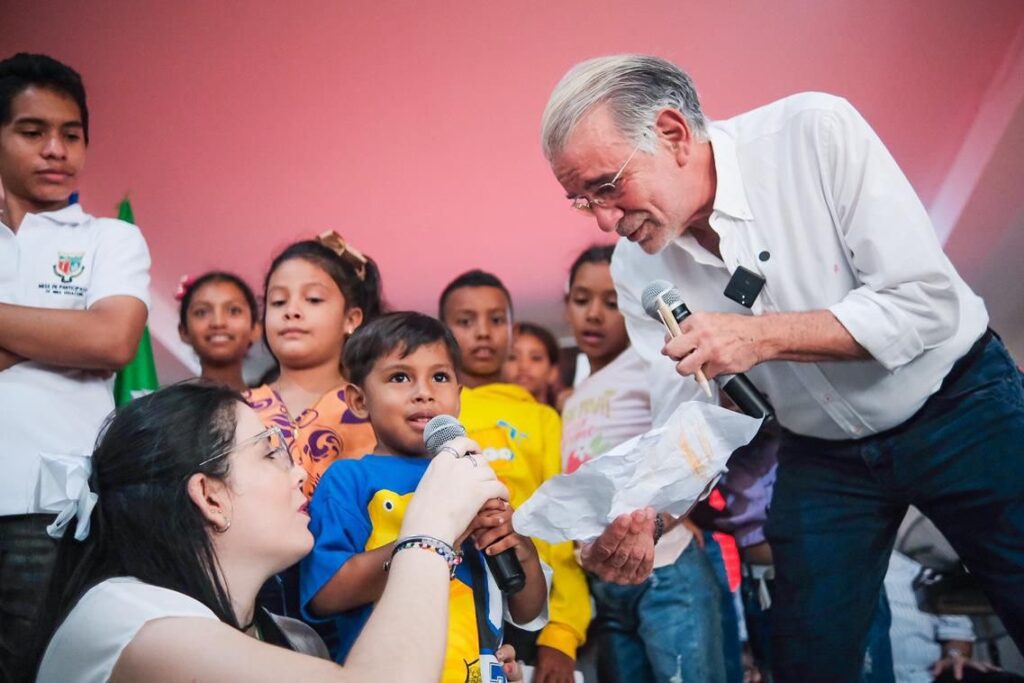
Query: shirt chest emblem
{"x":68,"y":266}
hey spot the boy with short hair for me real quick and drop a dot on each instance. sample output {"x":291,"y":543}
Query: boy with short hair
{"x":402,"y":371}
{"x":521,"y":438}
{"x":74,"y":295}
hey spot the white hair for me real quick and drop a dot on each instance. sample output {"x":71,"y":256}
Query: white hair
{"x":635,"y":87}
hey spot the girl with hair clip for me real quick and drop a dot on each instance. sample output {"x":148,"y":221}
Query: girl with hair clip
{"x":316,"y":293}
{"x":219,"y":319}
{"x":190,"y":506}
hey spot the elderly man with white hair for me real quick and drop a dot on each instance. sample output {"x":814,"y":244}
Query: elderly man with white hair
{"x":889,"y":386}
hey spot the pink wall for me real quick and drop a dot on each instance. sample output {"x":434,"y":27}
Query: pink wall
{"x":412,"y":127}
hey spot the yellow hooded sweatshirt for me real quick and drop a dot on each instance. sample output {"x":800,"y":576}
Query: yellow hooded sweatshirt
{"x":522,"y":440}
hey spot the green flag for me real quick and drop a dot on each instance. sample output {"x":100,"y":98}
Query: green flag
{"x":138,"y":377}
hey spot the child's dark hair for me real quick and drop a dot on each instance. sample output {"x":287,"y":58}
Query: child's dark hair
{"x":405,"y":330}
{"x":598,"y":253}
{"x":145,"y":524}
{"x":543,"y":335}
{"x":472,"y":278}
{"x":217,"y":276}
{"x":25,"y":70}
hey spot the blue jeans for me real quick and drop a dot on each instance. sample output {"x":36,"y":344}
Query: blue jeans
{"x":837,"y":506}
{"x":877,"y":666}
{"x":643,"y":633}
{"x":731,"y":648}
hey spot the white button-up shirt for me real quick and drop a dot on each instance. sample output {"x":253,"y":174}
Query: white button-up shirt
{"x":63,"y":260}
{"x":809,"y":197}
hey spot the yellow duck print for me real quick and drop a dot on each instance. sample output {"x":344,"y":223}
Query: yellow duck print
{"x":386,"y":510}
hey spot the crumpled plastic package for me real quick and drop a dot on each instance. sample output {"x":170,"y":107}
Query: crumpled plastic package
{"x":669,"y":468}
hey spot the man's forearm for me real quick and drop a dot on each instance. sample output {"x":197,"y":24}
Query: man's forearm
{"x":104,"y":337}
{"x":807,"y":337}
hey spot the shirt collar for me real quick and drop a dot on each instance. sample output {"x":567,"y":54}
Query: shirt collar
{"x":71,"y":214}
{"x":730,"y":198}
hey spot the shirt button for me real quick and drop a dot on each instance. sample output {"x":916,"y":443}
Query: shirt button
{"x":764,"y":256}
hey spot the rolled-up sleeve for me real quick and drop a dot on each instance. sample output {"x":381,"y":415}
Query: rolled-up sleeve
{"x":906,"y":303}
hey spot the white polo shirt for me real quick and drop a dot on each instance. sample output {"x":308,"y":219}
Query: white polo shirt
{"x":809,"y":197}
{"x":70,"y":260}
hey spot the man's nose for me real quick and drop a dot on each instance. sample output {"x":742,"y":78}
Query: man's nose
{"x":608,"y":217}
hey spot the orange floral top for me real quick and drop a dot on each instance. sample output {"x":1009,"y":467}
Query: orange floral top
{"x":322,"y":434}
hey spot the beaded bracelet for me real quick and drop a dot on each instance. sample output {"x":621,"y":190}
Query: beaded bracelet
{"x":434,"y":545}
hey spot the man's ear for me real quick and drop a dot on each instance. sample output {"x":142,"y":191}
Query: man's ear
{"x":356,"y":400}
{"x":210,"y":495}
{"x":673,"y":129}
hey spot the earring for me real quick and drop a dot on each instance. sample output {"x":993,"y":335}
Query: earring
{"x":227,"y":525}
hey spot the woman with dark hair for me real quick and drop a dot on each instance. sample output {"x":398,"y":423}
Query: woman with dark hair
{"x":191,"y":505}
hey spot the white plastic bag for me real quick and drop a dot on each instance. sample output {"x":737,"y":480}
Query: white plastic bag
{"x":669,"y":468}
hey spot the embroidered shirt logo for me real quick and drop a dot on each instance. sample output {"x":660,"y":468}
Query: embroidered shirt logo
{"x":68,"y":266}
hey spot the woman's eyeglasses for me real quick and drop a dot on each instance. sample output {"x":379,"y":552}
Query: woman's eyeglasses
{"x":277,"y":449}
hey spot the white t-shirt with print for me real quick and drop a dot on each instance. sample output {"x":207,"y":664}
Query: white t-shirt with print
{"x":69,"y":260}
{"x":608,"y":408}
{"x":86,"y":646}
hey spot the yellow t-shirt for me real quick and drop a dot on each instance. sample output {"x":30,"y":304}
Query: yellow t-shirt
{"x":521,"y":439}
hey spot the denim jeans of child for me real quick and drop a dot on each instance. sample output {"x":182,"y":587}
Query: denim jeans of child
{"x":670,"y":623}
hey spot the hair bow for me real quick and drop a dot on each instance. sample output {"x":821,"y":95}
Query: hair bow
{"x":336,"y":243}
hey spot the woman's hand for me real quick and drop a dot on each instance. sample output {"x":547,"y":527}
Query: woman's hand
{"x":451,"y":493}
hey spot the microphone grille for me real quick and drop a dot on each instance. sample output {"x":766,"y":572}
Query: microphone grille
{"x":672,"y":297}
{"x":440,"y":430}
{"x":649,"y":297}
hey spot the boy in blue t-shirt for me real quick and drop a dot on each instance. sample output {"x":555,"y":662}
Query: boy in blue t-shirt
{"x":402,"y":370}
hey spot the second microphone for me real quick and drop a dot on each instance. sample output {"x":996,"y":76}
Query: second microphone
{"x":663,"y":302}
{"x":505,"y":566}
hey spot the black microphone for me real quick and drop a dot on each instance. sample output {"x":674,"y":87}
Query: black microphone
{"x":505,"y":566}
{"x":661,"y":295}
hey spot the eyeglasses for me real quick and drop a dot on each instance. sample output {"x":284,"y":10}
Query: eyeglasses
{"x":605,"y":192}
{"x":274,"y":438}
